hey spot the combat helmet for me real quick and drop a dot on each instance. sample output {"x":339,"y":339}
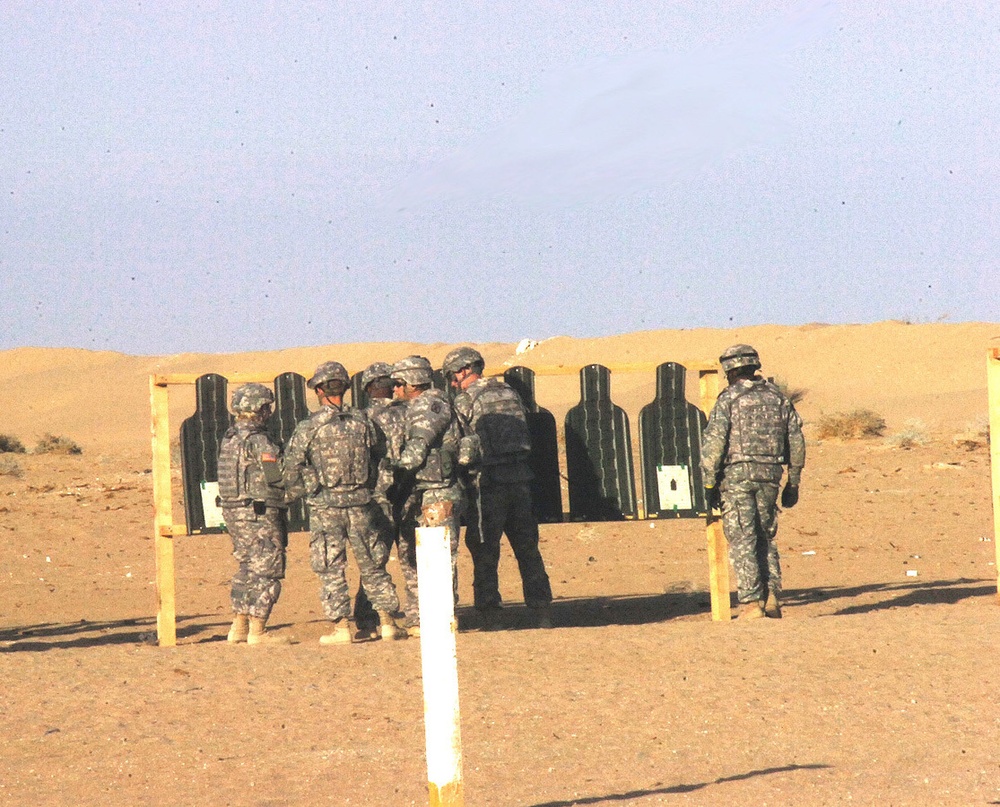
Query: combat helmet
{"x":739,"y":356}
{"x":249,"y":398}
{"x":413,"y":370}
{"x":375,"y":371}
{"x":462,"y":357}
{"x":329,"y":371}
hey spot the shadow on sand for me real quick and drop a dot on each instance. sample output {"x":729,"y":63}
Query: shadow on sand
{"x":676,"y":789}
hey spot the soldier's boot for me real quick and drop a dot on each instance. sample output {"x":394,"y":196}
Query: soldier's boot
{"x":258,"y":633}
{"x":388,"y":628}
{"x":341,"y":633}
{"x":773,"y":605}
{"x":752,"y":610}
{"x":543,"y":617}
{"x":240,"y":629}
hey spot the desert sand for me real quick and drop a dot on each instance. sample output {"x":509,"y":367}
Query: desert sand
{"x":876,"y":687}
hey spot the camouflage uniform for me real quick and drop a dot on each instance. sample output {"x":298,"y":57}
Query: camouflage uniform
{"x":389,"y":417}
{"x":753,"y":430}
{"x":254,"y":513}
{"x":429,"y":464}
{"x":332,"y":459}
{"x":492,"y":410}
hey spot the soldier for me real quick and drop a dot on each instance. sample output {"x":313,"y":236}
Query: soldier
{"x":332,"y":459}
{"x":752,"y":432}
{"x":500,"y":497}
{"x":252,"y":498}
{"x":389,"y":416}
{"x":429,"y":461}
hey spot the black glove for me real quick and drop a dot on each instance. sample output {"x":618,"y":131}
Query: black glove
{"x":790,"y":496}
{"x":713,"y":498}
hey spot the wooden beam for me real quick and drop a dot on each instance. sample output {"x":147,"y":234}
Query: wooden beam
{"x":166,"y":622}
{"x":993,"y":385}
{"x":718,"y":571}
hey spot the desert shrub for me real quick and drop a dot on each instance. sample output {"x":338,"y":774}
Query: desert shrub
{"x":794,"y":394}
{"x":53,"y":444}
{"x":10,"y":467}
{"x":975,"y":435}
{"x":914,"y":434}
{"x":853,"y":425}
{"x":10,"y":445}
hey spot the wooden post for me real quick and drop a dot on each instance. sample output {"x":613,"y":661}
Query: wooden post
{"x":718,"y":555}
{"x":166,"y":624}
{"x":993,"y":385}
{"x":439,"y":665}
{"x":718,"y":571}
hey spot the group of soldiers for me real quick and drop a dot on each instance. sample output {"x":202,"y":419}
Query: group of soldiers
{"x":413,"y":456}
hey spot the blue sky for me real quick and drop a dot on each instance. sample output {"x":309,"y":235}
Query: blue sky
{"x":227,"y":176}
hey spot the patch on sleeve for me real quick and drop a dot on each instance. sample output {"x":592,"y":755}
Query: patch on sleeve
{"x":266,"y":457}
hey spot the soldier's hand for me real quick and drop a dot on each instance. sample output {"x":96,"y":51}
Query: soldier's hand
{"x":713,"y":498}
{"x":790,"y":496}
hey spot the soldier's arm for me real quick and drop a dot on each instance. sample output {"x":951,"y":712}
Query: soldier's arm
{"x":425,"y":422}
{"x":298,"y":476}
{"x":796,"y":448}
{"x":713,"y":442}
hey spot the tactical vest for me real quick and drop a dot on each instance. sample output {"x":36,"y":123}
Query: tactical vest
{"x":241,"y":475}
{"x":758,"y":426}
{"x":341,"y":450}
{"x":497,"y":418}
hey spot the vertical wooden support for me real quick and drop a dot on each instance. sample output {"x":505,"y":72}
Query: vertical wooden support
{"x":993,"y":384}
{"x":439,"y":665}
{"x":166,"y":626}
{"x":718,"y":555}
{"x":718,"y":571}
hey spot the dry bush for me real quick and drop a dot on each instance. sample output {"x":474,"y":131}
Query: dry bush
{"x":914,"y":434}
{"x":52,"y":444}
{"x":9,"y":444}
{"x":854,"y":425}
{"x":10,"y":467}
{"x":975,"y":435}
{"x":794,"y":394}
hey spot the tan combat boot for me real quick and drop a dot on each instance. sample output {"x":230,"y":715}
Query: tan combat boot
{"x":388,"y":628}
{"x":258,"y":634}
{"x":341,"y":634}
{"x":752,"y":610}
{"x":773,"y":606}
{"x":240,"y":629}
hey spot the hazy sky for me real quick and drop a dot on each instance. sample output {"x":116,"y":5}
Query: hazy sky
{"x":247,"y":176}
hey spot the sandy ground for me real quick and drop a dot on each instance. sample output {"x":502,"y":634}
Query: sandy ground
{"x":875,"y":688}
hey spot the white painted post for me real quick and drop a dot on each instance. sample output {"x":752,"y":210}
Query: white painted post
{"x":439,"y":665}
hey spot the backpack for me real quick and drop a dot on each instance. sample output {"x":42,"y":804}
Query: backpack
{"x":497,"y":417}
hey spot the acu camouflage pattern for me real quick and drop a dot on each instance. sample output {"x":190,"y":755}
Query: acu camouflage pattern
{"x":493,"y":411}
{"x":333,"y":458}
{"x":752,"y":432}
{"x":429,"y":473}
{"x":247,"y":459}
{"x":259,"y":538}
{"x":333,"y":528}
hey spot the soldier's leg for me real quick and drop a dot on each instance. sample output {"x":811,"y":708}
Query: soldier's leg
{"x":408,"y":559}
{"x":522,"y":532}
{"x":367,"y":544}
{"x":328,"y":558}
{"x":364,"y":613}
{"x":741,"y":527}
{"x":455,"y":496}
{"x":485,"y":548}
{"x":241,"y":533}
{"x":767,"y":559}
{"x":266,"y":564}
